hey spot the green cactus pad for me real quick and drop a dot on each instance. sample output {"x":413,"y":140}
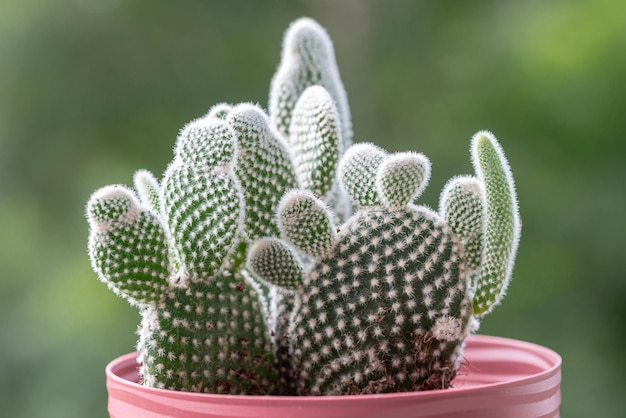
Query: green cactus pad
{"x":402,"y":177}
{"x":307,"y":59}
{"x":148,"y":189}
{"x":208,"y":337}
{"x":461,"y":206}
{"x":387,"y":310}
{"x":263,"y":167}
{"x":204,"y":212}
{"x":206,"y":143}
{"x":127,"y":245}
{"x":272,"y":261}
{"x":502,"y":222}
{"x":357,"y":173}
{"x":315,"y":140}
{"x":219,"y":111}
{"x":305,"y":221}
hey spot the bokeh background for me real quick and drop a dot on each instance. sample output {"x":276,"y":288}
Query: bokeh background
{"x":91,"y":90}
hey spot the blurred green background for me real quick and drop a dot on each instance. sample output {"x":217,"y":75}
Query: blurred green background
{"x":91,"y":90}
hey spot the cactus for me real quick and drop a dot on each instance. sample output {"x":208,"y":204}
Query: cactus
{"x":253,"y":276}
{"x":389,"y":297}
{"x":176,"y":248}
{"x":202,"y":324}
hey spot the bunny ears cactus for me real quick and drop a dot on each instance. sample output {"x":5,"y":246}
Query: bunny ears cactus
{"x":275,"y":257}
{"x":386,"y":301}
{"x":176,"y":247}
{"x":173,"y":254}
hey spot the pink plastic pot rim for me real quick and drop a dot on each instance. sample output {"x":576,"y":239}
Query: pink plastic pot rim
{"x":547,"y":362}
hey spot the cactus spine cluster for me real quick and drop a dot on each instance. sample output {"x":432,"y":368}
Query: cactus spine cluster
{"x":275,"y":257}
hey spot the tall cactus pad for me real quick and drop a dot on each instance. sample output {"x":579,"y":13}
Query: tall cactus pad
{"x":204,"y":212}
{"x":385,"y":311}
{"x":127,"y":246}
{"x":502,"y":222}
{"x":201,"y":199}
{"x":264,"y":168}
{"x":307,"y":59}
{"x":315,"y":140}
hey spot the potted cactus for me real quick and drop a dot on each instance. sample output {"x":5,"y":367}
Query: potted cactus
{"x":277,"y":267}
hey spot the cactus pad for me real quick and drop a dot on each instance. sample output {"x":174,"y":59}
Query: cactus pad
{"x":386,"y":310}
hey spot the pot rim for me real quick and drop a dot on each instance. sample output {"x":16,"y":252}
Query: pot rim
{"x":546,"y":360}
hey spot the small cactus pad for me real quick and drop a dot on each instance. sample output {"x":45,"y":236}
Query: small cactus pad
{"x":357,"y":173}
{"x":219,"y":111}
{"x":461,"y":206}
{"x":402,"y":177}
{"x":306,"y":222}
{"x":272,"y":261}
{"x":206,"y":143}
{"x":127,"y":245}
{"x":148,"y":189}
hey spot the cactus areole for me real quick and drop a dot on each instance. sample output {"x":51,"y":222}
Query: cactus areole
{"x":274,"y":256}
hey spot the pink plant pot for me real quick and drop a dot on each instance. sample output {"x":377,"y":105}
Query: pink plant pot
{"x":500,"y":378}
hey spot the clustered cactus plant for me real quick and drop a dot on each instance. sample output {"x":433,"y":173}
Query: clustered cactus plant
{"x":275,"y":257}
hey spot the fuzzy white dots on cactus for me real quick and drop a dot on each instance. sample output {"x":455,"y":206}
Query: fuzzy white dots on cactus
{"x":357,"y":173}
{"x":315,"y":140}
{"x":502,"y":226}
{"x":264,"y":168}
{"x":219,"y":111}
{"x":307,"y":59}
{"x":402,"y":177}
{"x":207,"y":144}
{"x":111,"y":206}
{"x":275,"y":263}
{"x":305,"y":222}
{"x":448,"y":328}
